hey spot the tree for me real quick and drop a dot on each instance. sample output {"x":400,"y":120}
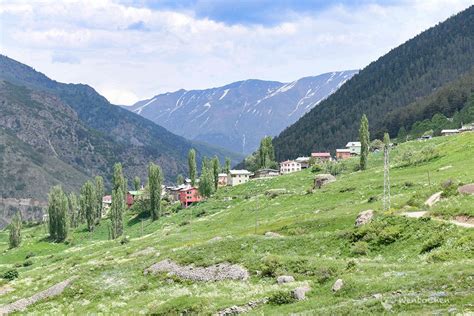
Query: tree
{"x":118,"y":181}
{"x":116,"y":213}
{"x":192,"y":166}
{"x":137,"y":183}
{"x":74,"y":210}
{"x":364,"y":138}
{"x":227,"y":165}
{"x":180,"y":179}
{"x":402,"y":135}
{"x":99,"y":193}
{"x":206,"y":183}
{"x":215,"y":171}
{"x":154,"y":186}
{"x":88,"y":204}
{"x":15,"y":231}
{"x":266,"y":153}
{"x":57,"y":212}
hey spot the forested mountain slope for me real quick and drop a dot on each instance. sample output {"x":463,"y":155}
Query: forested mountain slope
{"x":385,"y":88}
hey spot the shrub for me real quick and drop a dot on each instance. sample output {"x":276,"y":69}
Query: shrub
{"x":270,"y":266}
{"x":411,"y":157}
{"x":323,"y":274}
{"x":334,"y":168}
{"x":10,"y":275}
{"x":449,"y":189}
{"x":432,"y":243}
{"x":360,"y":248}
{"x":27,"y":263}
{"x":351,"y":264}
{"x":281,"y":298}
{"x":29,"y":255}
{"x":124,"y":240}
{"x":389,"y":235}
{"x":316,"y":168}
{"x":143,"y":287}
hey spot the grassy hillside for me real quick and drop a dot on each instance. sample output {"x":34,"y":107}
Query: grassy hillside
{"x":416,"y":265}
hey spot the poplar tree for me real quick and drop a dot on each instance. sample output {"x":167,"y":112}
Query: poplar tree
{"x":192,"y":166}
{"x":227,"y":165}
{"x":88,"y":204}
{"x":154,"y":186}
{"x":137,"y":183}
{"x":57,"y":212}
{"x":116,"y":213}
{"x":15,"y":231}
{"x":118,"y":180}
{"x":206,"y":183}
{"x":180,"y":179}
{"x":74,"y":210}
{"x":99,"y":192}
{"x":266,"y":153}
{"x":215,"y":171}
{"x":364,"y":138}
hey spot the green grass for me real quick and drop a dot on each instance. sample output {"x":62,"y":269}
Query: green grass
{"x":404,"y":259}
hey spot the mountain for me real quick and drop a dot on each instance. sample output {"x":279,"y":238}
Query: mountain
{"x":77,"y":133}
{"x":386,"y":88}
{"x":238,"y":115}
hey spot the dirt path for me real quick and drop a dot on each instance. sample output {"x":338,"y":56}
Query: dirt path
{"x":23,"y":303}
{"x":453,"y":221}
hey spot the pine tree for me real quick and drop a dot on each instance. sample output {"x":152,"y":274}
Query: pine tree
{"x":88,"y":204}
{"x":15,"y":231}
{"x":116,"y":213}
{"x":74,"y":210}
{"x":137,"y":183}
{"x":364,"y":138}
{"x":227,"y":165}
{"x":99,"y":193}
{"x":192,"y":166}
{"x":154,"y":186}
{"x":206,"y":183}
{"x":57,"y":212}
{"x":180,"y":179}
{"x":215,"y":171}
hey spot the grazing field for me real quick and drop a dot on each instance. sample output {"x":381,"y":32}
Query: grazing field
{"x":394,"y":263}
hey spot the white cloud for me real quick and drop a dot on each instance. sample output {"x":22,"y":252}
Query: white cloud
{"x":172,"y":50}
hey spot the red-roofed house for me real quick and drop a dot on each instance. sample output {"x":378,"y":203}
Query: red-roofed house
{"x":189,"y":196}
{"x":343,"y":153}
{"x":322,"y":156}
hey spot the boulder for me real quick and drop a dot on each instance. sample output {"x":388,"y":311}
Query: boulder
{"x":364,"y":218}
{"x":466,"y":189}
{"x":337,"y":285}
{"x":323,"y":179}
{"x":285,"y":279}
{"x":272,"y":234}
{"x":300,"y":292}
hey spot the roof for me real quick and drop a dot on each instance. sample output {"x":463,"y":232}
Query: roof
{"x":288,"y":161}
{"x":353,"y":144}
{"x":343,"y":150}
{"x":187,"y":189}
{"x":107,"y":199}
{"x":242,"y":171}
{"x":320,"y":155}
{"x":139,"y":192}
{"x":267,"y":170}
{"x":449,"y":131}
{"x":302,"y":159}
{"x":222,"y":175}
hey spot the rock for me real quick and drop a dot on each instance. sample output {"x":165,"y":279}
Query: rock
{"x":435,"y":198}
{"x":234,"y":310}
{"x":300,"y":292}
{"x":387,"y":306}
{"x":272,"y":234}
{"x":364,"y":218}
{"x":466,"y":189}
{"x":377,"y":296}
{"x":323,"y":179}
{"x":285,"y":279}
{"x":337,"y":285}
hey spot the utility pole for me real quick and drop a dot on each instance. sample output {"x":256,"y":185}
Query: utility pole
{"x":386,"y":174}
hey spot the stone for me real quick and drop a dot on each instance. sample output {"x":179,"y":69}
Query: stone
{"x":285,"y":279}
{"x":466,"y":189}
{"x":364,"y":218}
{"x":323,"y":179}
{"x":337,"y":285}
{"x":300,"y":292}
{"x":272,"y":234}
{"x":377,"y":296}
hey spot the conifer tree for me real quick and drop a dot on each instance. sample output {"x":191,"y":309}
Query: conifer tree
{"x":215,"y":171}
{"x":57,"y":212}
{"x":15,"y":231}
{"x":155,"y":179}
{"x":192,"y":166}
{"x":99,"y":193}
{"x":364,"y":138}
{"x":88,"y":204}
{"x":74,"y":210}
{"x":116,"y":213}
{"x":137,"y":183}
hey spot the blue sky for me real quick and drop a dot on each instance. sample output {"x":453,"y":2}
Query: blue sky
{"x":131,"y":50}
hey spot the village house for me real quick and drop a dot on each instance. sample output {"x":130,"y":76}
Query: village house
{"x":354,"y":148}
{"x":304,"y":161}
{"x":173,"y":191}
{"x":189,"y":196}
{"x":237,"y":177}
{"x":289,"y":166}
{"x":222,"y":179}
{"x":266,"y":173}
{"x":321,"y":156}
{"x":449,"y":132}
{"x":343,"y":154}
{"x":467,"y":128}
{"x":106,"y":203}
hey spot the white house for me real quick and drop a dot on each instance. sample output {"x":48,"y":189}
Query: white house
{"x":289,"y":166}
{"x":237,"y":177}
{"x":354,"y":147}
{"x":304,"y":161}
{"x":448,"y":132}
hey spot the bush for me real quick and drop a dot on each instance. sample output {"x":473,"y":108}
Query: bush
{"x":360,"y":248}
{"x":10,"y":275}
{"x":271,"y":264}
{"x":323,"y":274}
{"x":334,"y":168}
{"x":124,"y":240}
{"x":351,"y":264}
{"x":281,"y":298}
{"x":316,"y":168}
{"x":27,"y":263}
{"x":389,"y":235}
{"x":29,"y":255}
{"x":449,"y":189}
{"x":410,"y":157}
{"x":432,"y":243}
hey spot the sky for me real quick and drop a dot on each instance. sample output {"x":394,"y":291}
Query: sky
{"x":130,"y":50}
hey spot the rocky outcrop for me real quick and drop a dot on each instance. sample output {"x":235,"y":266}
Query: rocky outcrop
{"x":364,"y":218}
{"x":323,"y":179}
{"x":338,"y":285}
{"x":466,"y":189}
{"x":285,"y":279}
{"x":300,"y":292}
